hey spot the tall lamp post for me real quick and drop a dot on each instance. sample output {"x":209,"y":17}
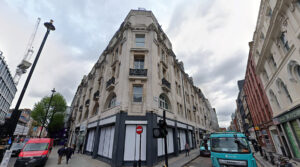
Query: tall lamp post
{"x":12,"y":122}
{"x":45,"y":118}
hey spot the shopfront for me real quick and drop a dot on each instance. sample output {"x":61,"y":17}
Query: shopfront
{"x":289,"y":124}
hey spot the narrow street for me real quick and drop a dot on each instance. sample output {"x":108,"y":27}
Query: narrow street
{"x":199,"y":162}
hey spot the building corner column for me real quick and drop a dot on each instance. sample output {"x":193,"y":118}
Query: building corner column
{"x":119,"y":140}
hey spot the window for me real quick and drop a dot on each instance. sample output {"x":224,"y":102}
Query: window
{"x":272,"y":63}
{"x":112,"y":102}
{"x":140,"y":40}
{"x":163,"y":103}
{"x":138,"y":62}
{"x":282,"y":87}
{"x":137,"y":93}
{"x":274,"y":98}
{"x":284,"y":41}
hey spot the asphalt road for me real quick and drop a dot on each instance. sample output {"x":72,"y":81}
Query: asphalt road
{"x":200,"y":162}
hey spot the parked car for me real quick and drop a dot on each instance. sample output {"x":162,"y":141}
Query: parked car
{"x":203,"y":150}
{"x":231,"y":149}
{"x":16,"y":149}
{"x":35,"y":152}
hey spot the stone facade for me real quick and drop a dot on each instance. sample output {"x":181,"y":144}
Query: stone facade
{"x":276,"y":45}
{"x":137,"y":77}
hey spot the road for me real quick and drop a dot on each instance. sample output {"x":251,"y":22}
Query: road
{"x":199,"y":162}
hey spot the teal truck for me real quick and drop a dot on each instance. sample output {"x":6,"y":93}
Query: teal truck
{"x":231,"y":149}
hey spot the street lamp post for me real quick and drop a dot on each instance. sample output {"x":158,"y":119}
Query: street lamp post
{"x":12,"y":122}
{"x":45,"y":118}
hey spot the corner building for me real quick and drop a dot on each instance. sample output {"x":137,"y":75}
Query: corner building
{"x":276,"y":44}
{"x":137,"y":77}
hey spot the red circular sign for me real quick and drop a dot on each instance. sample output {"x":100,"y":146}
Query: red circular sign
{"x":139,"y":129}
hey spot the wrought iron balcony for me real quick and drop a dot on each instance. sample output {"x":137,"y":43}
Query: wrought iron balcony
{"x":87,"y":102}
{"x":110,"y":83}
{"x":166,"y":84}
{"x":96,"y":95}
{"x":138,"y":72}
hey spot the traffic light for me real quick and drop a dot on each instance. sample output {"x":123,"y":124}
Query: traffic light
{"x":162,"y":131}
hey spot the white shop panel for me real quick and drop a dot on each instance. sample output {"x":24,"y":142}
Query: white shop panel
{"x":182,"y":139}
{"x":132,"y":143}
{"x":106,"y":141}
{"x":161,"y":143}
{"x":190,"y":139}
{"x":90,"y":140}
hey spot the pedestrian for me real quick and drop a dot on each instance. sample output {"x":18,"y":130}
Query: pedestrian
{"x":69,"y":152}
{"x":61,"y":152}
{"x":187,"y":149}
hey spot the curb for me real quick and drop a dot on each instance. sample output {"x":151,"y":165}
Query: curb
{"x":190,"y":160}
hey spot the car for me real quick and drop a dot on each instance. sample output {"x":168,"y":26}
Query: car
{"x":203,"y":151}
{"x":35,"y":152}
{"x":16,"y":149}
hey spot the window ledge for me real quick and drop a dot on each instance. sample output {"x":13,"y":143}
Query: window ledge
{"x":140,"y":49}
{"x":138,"y":77}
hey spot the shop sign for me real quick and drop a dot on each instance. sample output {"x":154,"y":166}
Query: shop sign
{"x":289,"y":116}
{"x":82,"y":128}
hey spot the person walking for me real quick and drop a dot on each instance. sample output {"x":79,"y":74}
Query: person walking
{"x":187,"y":149}
{"x":69,"y":152}
{"x":61,"y":152}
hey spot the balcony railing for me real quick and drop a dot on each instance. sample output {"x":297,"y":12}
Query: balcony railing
{"x":166,"y":83}
{"x":138,"y":72}
{"x":96,"y":95}
{"x":87,"y":102}
{"x":110,"y":82}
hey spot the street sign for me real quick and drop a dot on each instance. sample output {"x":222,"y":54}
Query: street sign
{"x":139,"y":129}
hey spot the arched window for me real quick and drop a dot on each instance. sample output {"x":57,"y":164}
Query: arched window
{"x":112,"y":101}
{"x":294,"y":70}
{"x":282,"y":88}
{"x":95,"y":109}
{"x":164,"y":102}
{"x":86,"y":114}
{"x":274,"y":98}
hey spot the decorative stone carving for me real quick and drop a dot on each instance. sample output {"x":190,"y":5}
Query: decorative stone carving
{"x":292,"y":6}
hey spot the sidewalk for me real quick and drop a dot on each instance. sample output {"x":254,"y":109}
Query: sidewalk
{"x":181,"y":160}
{"x":78,"y":160}
{"x":260,"y":161}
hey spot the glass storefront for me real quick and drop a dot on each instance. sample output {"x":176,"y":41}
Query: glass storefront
{"x":296,"y":130}
{"x":291,"y":140}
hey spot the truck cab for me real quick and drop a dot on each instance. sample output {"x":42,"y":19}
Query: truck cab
{"x":230,"y":149}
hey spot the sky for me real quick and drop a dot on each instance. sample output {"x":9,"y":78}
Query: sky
{"x":210,"y":37}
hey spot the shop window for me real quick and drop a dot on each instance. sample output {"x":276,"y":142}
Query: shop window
{"x":137,"y":93}
{"x":296,"y":129}
{"x":292,"y":142}
{"x":140,"y":40}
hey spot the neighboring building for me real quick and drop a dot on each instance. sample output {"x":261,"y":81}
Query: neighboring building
{"x":135,"y":79}
{"x":275,"y":51}
{"x":242,"y":120}
{"x":214,"y":120}
{"x":258,"y":105}
{"x":24,"y":123}
{"x":222,"y":129}
{"x":7,"y":89}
